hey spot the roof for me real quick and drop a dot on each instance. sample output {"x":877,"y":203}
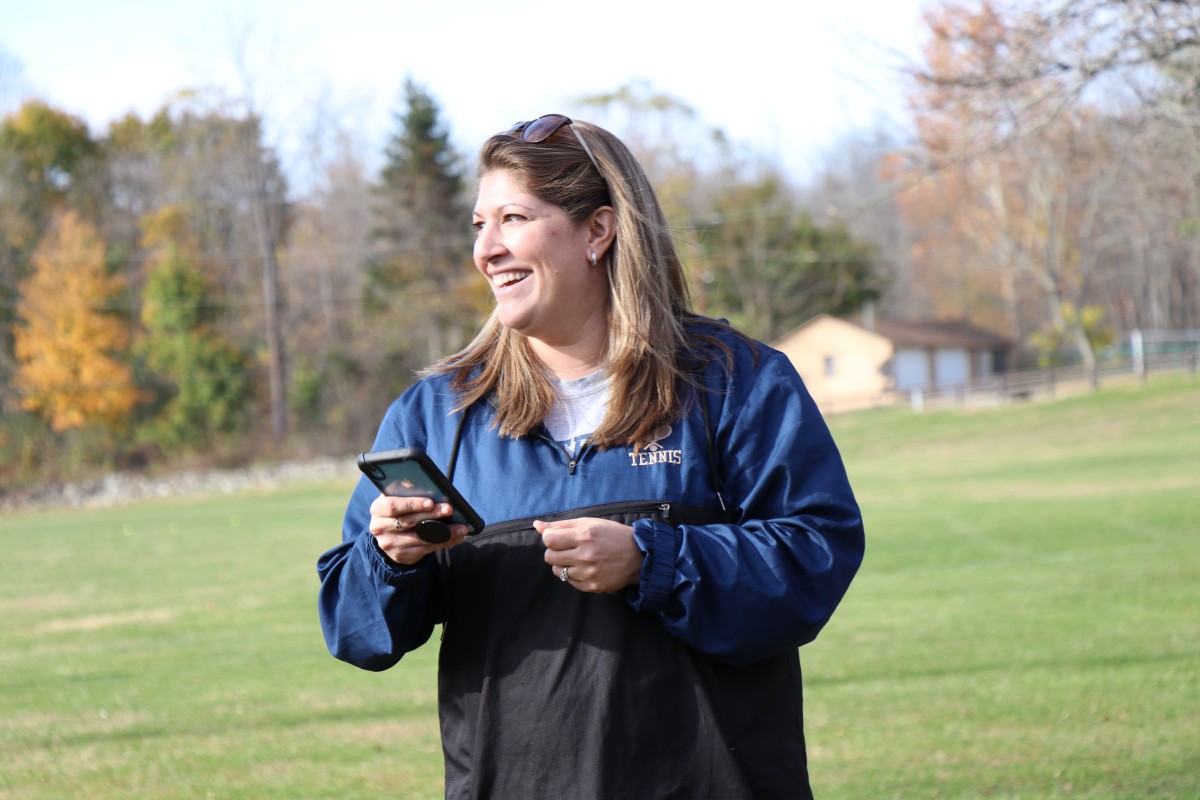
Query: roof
{"x":939,"y":333}
{"x":918,"y":333}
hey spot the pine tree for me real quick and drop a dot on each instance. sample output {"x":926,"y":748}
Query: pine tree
{"x":422,"y":267}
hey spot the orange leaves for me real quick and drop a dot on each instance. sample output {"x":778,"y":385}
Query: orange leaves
{"x":66,"y":342}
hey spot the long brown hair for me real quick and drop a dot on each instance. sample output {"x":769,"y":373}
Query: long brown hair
{"x":648,"y":358}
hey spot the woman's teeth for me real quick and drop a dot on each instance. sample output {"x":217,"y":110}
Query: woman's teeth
{"x":507,"y":278}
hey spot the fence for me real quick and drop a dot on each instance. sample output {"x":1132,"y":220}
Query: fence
{"x":1025,"y":385}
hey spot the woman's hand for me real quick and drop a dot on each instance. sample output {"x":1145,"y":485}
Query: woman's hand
{"x":392,"y":523}
{"x":598,"y":554}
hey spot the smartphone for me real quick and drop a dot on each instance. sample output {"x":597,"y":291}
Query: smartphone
{"x":409,"y":472}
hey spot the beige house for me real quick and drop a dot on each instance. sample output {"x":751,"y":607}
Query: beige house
{"x":848,"y":365}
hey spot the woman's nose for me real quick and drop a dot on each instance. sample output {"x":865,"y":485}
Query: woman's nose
{"x":487,"y":245}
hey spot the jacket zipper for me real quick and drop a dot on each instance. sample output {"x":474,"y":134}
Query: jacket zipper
{"x":572,"y":460}
{"x":650,"y":508}
{"x":604,"y":510}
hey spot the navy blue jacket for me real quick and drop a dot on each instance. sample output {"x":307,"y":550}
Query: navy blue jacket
{"x":686,"y":685}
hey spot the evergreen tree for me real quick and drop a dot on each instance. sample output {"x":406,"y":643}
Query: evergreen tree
{"x":421,"y":270}
{"x":205,"y":378}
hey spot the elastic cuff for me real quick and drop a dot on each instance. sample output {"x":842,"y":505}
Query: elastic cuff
{"x":660,"y":543}
{"x":386,"y":568}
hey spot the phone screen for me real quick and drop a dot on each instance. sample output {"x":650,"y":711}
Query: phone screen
{"x":407,"y":479}
{"x":413,"y":475}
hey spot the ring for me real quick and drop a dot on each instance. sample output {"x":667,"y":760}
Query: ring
{"x":562,"y":576}
{"x":400,"y":526}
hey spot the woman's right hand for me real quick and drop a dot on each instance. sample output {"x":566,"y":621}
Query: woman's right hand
{"x":393,"y":520}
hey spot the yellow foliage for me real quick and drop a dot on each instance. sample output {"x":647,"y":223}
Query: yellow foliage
{"x":65,"y":341}
{"x":165,"y":227}
{"x":1091,"y":320}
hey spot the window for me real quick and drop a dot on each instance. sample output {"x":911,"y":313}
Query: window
{"x":830,"y":366}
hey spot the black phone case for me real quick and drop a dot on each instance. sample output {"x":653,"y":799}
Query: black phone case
{"x":409,"y":472}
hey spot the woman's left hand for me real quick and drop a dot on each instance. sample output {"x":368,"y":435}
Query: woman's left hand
{"x":599,"y":555}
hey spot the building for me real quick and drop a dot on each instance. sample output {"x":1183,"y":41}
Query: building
{"x":848,"y":365}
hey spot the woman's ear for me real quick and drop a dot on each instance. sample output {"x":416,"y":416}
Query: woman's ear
{"x":602,"y":228}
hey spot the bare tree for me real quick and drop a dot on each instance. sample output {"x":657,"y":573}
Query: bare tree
{"x":266,"y":193}
{"x":857,"y":185}
{"x":1015,"y":100}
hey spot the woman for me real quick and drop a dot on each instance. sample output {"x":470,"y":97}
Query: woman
{"x":669,"y":519}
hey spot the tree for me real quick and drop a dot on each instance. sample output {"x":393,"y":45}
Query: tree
{"x":674,"y":147}
{"x":770,"y":268}
{"x":958,"y":205}
{"x":46,"y":163}
{"x":753,"y":255}
{"x":334,"y":349}
{"x":855,"y":184}
{"x":688,"y":163}
{"x":423,"y":259}
{"x":1041,"y":111}
{"x":212,"y":166}
{"x":1018,"y":177}
{"x":68,"y":345}
{"x":206,"y":377}
{"x":53,"y":147}
{"x":265,"y":190}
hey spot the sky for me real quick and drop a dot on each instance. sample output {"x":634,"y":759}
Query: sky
{"x":784,"y":78}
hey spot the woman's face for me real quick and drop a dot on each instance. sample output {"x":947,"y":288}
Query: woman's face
{"x":537,"y":263}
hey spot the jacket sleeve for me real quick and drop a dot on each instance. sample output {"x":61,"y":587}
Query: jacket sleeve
{"x":769,"y":581}
{"x":372,"y":610}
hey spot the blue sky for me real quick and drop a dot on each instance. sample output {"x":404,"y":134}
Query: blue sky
{"x":785,"y":78}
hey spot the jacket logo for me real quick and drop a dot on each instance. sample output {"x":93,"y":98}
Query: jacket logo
{"x":655,"y":453}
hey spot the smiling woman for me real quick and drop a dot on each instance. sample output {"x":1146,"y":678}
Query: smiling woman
{"x":669,"y":516}
{"x":540,"y":266}
{"x":612,"y":283}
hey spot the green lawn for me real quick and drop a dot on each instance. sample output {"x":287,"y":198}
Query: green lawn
{"x":1026,"y":625}
{"x":1027,"y":622}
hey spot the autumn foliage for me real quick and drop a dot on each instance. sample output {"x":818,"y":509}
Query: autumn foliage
{"x":68,"y":344}
{"x":1044,"y":183}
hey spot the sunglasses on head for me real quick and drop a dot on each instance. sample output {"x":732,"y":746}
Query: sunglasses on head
{"x":542,"y":128}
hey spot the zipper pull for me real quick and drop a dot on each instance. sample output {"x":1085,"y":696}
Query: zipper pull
{"x":665,"y":510}
{"x":571,"y":466}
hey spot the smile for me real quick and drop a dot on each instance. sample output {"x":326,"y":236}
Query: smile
{"x":503,"y":279}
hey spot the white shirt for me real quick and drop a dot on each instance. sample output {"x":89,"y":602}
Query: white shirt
{"x":579,"y":409}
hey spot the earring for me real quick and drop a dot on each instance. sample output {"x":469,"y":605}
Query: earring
{"x":592,"y":258}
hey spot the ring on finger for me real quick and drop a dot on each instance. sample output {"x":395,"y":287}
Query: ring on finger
{"x":563,"y":576}
{"x":400,"y":526}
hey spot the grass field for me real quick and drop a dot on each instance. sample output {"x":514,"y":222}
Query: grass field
{"x":1026,"y":625}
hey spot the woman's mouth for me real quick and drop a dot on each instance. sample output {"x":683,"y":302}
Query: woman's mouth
{"x":502,"y":279}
